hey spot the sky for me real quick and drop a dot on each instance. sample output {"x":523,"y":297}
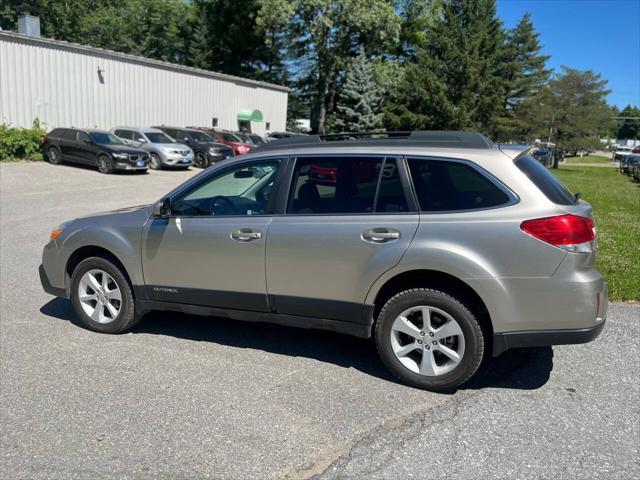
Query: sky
{"x":598,"y":35}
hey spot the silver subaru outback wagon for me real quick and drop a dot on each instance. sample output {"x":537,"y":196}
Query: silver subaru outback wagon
{"x":441,"y":246}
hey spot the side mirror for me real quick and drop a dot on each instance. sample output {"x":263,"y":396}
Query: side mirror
{"x":142,"y":140}
{"x":162,"y":208}
{"x":88,"y":142}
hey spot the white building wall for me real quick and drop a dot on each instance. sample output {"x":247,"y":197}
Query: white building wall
{"x":59,"y":84}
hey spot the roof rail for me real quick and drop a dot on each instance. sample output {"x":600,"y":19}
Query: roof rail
{"x":418,"y":138}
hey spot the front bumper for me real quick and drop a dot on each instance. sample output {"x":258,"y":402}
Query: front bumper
{"x":47,"y":287}
{"x":543,"y":338}
{"x":173,"y":160}
{"x":128,"y":166}
{"x":218,"y":157}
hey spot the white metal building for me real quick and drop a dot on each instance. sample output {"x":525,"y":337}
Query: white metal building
{"x":65,"y":84}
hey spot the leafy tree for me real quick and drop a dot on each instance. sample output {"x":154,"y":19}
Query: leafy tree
{"x":573,"y":108}
{"x":525,"y":74}
{"x":357,"y":109}
{"x":455,"y":82}
{"x":324,"y":35}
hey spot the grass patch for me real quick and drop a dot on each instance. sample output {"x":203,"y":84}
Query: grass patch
{"x":587,"y":159}
{"x":616,"y":205}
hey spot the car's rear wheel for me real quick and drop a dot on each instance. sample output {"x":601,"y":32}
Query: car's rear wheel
{"x":54,"y":156}
{"x":102,"y":296}
{"x":429,"y":339}
{"x":105,"y":165}
{"x":154,"y":162}
{"x":201,"y":160}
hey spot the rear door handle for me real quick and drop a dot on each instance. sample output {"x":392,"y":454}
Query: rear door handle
{"x":380,"y":235}
{"x":246,"y":234}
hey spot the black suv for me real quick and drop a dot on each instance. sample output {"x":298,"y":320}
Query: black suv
{"x":205,"y":150}
{"x":93,"y":147}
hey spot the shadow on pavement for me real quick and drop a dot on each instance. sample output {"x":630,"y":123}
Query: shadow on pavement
{"x":515,"y":369}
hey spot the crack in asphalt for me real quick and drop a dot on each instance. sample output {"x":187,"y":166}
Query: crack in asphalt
{"x":397,"y":426}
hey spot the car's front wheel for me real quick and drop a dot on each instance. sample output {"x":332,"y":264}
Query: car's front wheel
{"x":102,"y":296}
{"x":154,"y":162}
{"x":105,"y":165}
{"x":201,"y":160}
{"x":429,"y":339}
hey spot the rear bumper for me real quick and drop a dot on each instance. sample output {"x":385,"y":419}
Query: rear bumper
{"x":543,"y":338}
{"x":47,"y":287}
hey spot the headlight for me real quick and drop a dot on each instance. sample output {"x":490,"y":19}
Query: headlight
{"x":120,"y":156}
{"x":55,"y":233}
{"x":213,"y":151}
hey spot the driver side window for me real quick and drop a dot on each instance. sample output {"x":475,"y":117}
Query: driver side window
{"x":243,"y":190}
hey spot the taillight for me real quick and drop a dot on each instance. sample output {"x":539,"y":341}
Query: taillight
{"x":243,"y":149}
{"x":569,"y":232}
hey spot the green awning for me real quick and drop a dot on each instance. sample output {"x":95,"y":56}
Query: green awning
{"x":249,"y":115}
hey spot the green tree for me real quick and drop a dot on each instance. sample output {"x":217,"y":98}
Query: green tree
{"x":523,"y":68}
{"x":359,"y":99}
{"x":573,"y":109}
{"x":629,"y":125}
{"x":455,"y":82}
{"x":323,"y":37}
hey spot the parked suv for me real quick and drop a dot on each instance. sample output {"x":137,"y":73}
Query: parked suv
{"x":439,"y":245}
{"x":240,"y":147}
{"x":162,"y":150}
{"x":92,"y":147}
{"x":206,"y":150}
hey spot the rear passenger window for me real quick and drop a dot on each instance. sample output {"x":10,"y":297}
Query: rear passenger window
{"x":69,"y":135}
{"x":82,"y":137}
{"x":343,"y":185}
{"x":546,"y":181}
{"x":452,"y":186}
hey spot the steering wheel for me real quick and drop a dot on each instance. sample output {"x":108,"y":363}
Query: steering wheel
{"x":229,"y":203}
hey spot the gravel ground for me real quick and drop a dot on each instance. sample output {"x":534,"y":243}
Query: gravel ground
{"x":192,"y":397}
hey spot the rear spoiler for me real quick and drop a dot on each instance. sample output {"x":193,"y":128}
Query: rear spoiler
{"x":514,"y":152}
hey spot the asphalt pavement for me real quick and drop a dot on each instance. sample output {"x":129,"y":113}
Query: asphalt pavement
{"x":193,"y":397}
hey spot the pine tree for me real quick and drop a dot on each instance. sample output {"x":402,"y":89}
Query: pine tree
{"x":456,"y":82}
{"x":525,"y":72}
{"x":199,"y":50}
{"x":359,"y":99}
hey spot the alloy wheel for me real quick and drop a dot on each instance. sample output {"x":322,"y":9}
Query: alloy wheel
{"x":54,"y":156}
{"x":100,"y":296}
{"x":427,"y":340}
{"x":201,"y":160}
{"x":154,"y":163}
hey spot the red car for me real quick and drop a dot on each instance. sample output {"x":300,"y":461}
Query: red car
{"x":228,"y":138}
{"x":328,"y":175}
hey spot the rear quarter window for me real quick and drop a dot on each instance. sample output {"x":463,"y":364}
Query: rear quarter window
{"x":546,"y":181}
{"x":442,"y":186}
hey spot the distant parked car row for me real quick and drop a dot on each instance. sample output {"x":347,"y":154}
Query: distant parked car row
{"x":630,"y":164}
{"x":140,"y":148}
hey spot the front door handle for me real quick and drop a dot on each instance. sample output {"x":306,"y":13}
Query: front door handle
{"x":380,"y":235}
{"x":246,"y":234}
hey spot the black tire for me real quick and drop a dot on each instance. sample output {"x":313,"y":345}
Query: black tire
{"x":126,"y":317}
{"x":105,"y":164}
{"x":473,"y":338}
{"x":54,"y":155}
{"x":154,"y":162}
{"x":201,"y":160}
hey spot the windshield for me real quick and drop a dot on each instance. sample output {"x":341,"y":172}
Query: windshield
{"x":230,"y":137}
{"x":104,"y":138}
{"x":158,"y":137}
{"x":200,"y":137}
{"x":256,"y":139}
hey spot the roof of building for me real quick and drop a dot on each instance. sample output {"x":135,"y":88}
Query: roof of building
{"x":78,"y":48}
